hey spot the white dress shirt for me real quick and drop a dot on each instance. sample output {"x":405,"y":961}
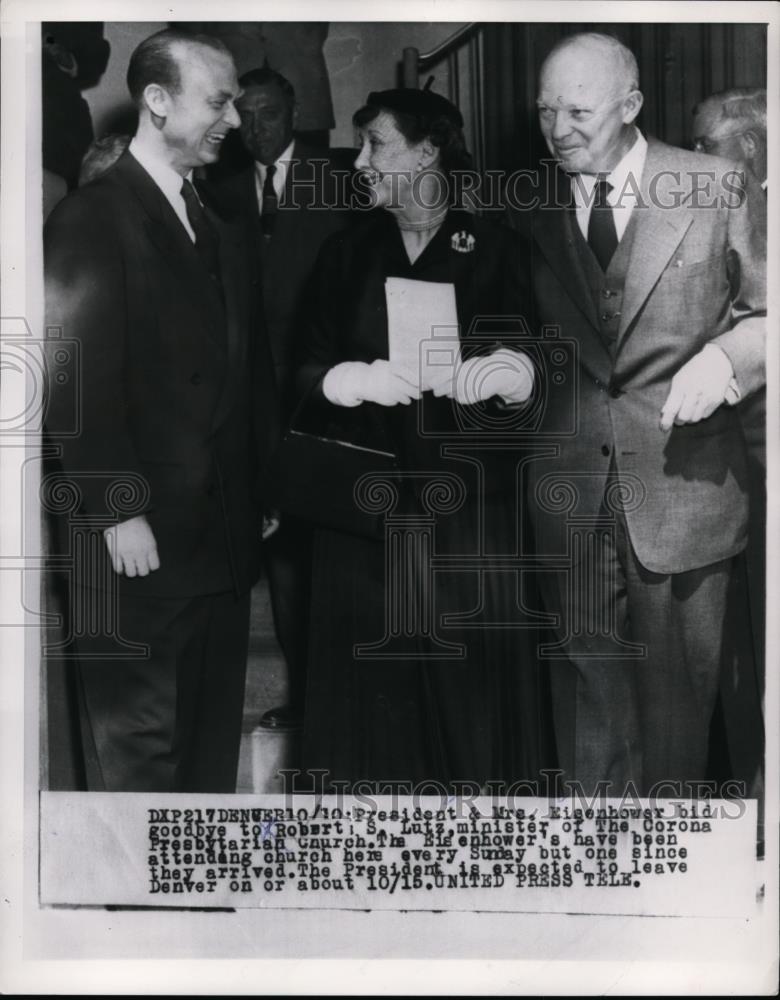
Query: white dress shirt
{"x":166,"y":179}
{"x":280,"y":177}
{"x":625,"y":180}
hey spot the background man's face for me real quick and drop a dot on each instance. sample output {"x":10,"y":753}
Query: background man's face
{"x":718,"y":138}
{"x":266,"y":122}
{"x":203,"y":112}
{"x":582,"y":110}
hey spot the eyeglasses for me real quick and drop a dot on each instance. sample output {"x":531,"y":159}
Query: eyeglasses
{"x":702,"y":144}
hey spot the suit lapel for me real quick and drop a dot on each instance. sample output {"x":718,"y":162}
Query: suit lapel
{"x":167,"y":234}
{"x":658,"y":231}
{"x":234,"y":260}
{"x":556,"y":242}
{"x":553,"y":234}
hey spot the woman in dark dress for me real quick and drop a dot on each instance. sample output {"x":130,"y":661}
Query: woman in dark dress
{"x":443,"y":700}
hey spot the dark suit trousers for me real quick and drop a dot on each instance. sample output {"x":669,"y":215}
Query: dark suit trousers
{"x":641,"y":718}
{"x":170,"y":722}
{"x":287,"y":557}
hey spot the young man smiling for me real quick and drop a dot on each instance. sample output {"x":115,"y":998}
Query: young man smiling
{"x":178,"y":413}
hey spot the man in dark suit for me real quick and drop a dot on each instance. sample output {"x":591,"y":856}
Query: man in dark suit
{"x":652,"y":260}
{"x":295,"y":197}
{"x":177,"y":417}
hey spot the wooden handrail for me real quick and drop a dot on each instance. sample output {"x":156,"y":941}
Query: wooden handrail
{"x":415,"y":62}
{"x":463,"y":46}
{"x":426,"y":59}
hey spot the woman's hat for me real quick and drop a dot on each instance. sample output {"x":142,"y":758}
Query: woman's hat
{"x":410,"y":101}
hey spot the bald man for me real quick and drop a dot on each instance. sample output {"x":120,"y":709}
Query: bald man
{"x":652,"y":260}
{"x":733,"y":124}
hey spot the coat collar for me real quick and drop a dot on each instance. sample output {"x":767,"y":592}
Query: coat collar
{"x":660,"y":227}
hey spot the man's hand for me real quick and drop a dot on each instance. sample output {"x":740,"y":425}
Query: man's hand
{"x":504,"y":373}
{"x":353,"y":382}
{"x":132,"y":547}
{"x":698,"y":388}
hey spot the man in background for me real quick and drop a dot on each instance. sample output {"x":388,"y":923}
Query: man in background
{"x":294,"y":197}
{"x":733,"y":124}
{"x":177,"y":416}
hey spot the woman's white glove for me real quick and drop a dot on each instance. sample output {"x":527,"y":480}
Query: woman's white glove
{"x":355,"y":382}
{"x":505,"y":373}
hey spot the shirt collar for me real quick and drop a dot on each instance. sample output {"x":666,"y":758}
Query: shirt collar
{"x":631,"y":165}
{"x":162,"y":173}
{"x":282,"y":164}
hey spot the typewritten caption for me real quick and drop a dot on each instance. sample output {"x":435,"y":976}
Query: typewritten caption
{"x":263,"y":851}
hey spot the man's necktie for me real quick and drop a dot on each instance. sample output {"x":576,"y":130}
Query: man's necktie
{"x":206,"y":239}
{"x":602,"y":235}
{"x":270,"y":202}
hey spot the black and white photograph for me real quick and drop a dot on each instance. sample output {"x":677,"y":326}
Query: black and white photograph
{"x":389,"y":440}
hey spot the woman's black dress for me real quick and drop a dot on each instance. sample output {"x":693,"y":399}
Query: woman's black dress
{"x":464,"y":704}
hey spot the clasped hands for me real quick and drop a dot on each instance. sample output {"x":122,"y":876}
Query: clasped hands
{"x":504,"y":373}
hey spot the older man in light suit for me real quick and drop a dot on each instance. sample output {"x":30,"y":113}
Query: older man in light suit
{"x":652,"y":260}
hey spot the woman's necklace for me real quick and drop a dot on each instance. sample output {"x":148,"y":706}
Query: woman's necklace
{"x":424,"y":226}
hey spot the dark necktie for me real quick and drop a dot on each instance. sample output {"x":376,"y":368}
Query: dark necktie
{"x":206,"y":239}
{"x":602,"y":235}
{"x":270,"y":202}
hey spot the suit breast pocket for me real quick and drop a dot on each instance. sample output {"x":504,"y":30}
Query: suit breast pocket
{"x":687,"y":266}
{"x":699,"y":285}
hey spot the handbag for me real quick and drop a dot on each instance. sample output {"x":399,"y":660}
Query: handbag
{"x":323,"y":455}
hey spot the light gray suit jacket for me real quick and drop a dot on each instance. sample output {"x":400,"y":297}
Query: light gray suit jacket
{"x":697,"y":275}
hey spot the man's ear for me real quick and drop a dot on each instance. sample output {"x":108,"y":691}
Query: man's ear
{"x":749,"y":143}
{"x":295,"y":116}
{"x":156,"y":100}
{"x":632,"y":105}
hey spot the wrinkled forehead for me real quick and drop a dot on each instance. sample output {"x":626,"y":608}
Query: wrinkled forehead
{"x":578,"y":76}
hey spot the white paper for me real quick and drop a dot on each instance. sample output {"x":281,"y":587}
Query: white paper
{"x":422,"y":328}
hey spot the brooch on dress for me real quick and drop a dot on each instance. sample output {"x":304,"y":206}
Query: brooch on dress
{"x":463,"y":242}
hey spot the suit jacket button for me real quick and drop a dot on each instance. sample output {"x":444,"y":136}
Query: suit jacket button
{"x":195,"y":378}
{"x":605,"y":450}
{"x":615,"y":391}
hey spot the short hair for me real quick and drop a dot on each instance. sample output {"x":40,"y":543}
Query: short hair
{"x":441,"y":123}
{"x":264,"y":76}
{"x":153,"y":60}
{"x":743,"y":106}
{"x":622,"y":53}
{"x":102,"y":154}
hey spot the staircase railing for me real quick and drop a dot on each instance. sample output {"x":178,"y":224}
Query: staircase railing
{"x":462,"y":54}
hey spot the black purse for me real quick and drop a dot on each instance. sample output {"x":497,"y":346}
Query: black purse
{"x":319,"y":471}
